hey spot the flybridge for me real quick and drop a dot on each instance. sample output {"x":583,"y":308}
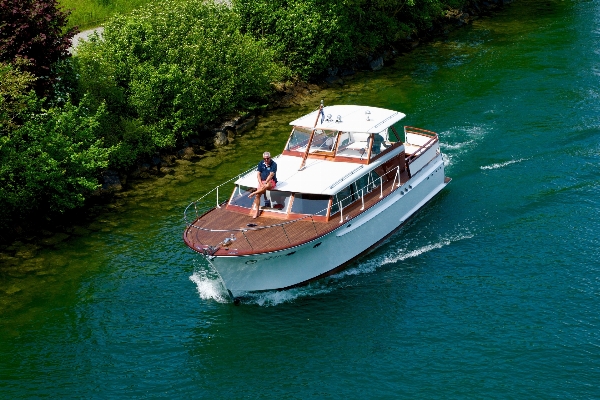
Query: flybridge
{"x":350,"y":118}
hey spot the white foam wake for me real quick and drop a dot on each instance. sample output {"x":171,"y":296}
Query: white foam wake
{"x":401,"y":254}
{"x":210,"y":286}
{"x":504,"y":164}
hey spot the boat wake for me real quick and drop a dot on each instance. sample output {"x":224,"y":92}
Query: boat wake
{"x":210,"y":287}
{"x":397,"y":253}
{"x":460,"y":140}
{"x":504,"y":164}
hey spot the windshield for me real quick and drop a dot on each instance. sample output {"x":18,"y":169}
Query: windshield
{"x":323,"y":140}
{"x":298,"y":139}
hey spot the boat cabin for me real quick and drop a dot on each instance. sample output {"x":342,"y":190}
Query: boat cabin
{"x":332,"y":158}
{"x":338,"y":163}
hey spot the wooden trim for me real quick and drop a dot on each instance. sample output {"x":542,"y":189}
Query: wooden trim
{"x":289,"y":138}
{"x":396,"y":134}
{"x":372,"y":139}
{"x":310,"y":139}
{"x":350,"y":160}
{"x":292,"y":153}
{"x":337,"y":142}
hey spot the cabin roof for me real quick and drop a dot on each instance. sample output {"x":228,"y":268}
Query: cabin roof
{"x":318,"y":177}
{"x":353,"y":119}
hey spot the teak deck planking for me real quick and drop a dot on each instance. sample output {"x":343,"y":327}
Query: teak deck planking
{"x":270,"y":234}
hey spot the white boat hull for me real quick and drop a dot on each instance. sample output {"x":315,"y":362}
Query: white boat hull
{"x":301,"y":264}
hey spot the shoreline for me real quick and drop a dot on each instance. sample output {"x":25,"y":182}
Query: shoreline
{"x":52,"y":231}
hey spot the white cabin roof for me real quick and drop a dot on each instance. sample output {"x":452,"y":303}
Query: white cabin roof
{"x":353,"y":119}
{"x":318,"y":176}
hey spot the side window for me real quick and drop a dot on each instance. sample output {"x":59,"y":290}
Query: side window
{"x":395,"y":133}
{"x":343,"y":198}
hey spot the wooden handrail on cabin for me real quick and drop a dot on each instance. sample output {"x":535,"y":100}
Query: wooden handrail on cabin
{"x":421,"y":148}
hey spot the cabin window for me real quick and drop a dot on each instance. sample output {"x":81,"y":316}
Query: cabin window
{"x":343,"y":198}
{"x":298,"y":139}
{"x":278,"y":200}
{"x":240,"y":198}
{"x":355,"y":191}
{"x":314,"y":204}
{"x":353,"y":144}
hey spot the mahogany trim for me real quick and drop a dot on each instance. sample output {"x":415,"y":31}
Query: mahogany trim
{"x":354,"y":211}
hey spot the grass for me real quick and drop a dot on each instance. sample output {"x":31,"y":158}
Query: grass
{"x":88,"y":14}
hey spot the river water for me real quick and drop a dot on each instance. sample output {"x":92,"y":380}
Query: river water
{"x":491,"y":291}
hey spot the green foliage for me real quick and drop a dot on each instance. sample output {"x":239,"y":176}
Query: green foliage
{"x":171,"y":69}
{"x":17,"y":98}
{"x":310,"y":36}
{"x":33,"y":30}
{"x":51,"y":162}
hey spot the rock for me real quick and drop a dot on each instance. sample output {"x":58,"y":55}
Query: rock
{"x":186,"y":153}
{"x":220,"y":139}
{"x":55,"y":239}
{"x":334,"y":80}
{"x":376,"y":64}
{"x":245,"y":125}
{"x":112,"y":182}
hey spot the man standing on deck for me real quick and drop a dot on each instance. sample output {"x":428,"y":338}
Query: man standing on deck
{"x":267,"y":180}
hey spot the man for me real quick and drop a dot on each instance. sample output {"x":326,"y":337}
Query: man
{"x":267,"y":180}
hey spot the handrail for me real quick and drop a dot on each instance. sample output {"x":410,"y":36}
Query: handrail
{"x":195,"y":203}
{"x":421,"y":148}
{"x":211,"y":248}
{"x":305,"y":216}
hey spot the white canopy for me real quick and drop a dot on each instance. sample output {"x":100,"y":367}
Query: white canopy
{"x":349,"y":118}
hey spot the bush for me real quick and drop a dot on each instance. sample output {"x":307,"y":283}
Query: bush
{"x":51,"y":162}
{"x":310,"y":36}
{"x":33,"y":30}
{"x":170,"y":69}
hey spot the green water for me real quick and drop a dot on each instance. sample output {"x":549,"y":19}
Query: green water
{"x":491,"y":291}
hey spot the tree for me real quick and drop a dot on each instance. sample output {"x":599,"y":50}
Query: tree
{"x":51,"y":162}
{"x":34,"y":31}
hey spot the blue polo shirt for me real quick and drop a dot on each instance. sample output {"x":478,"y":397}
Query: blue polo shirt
{"x":266,"y":170}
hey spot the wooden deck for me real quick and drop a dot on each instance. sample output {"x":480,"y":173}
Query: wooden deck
{"x":209,"y":232}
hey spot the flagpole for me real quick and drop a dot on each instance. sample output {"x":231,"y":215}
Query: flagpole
{"x":310,"y":139}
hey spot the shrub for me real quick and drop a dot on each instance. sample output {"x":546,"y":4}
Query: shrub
{"x":310,"y":36}
{"x":172,"y":68}
{"x":33,"y":30}
{"x":51,"y":162}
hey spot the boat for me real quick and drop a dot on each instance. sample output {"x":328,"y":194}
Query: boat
{"x":347,"y":179}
